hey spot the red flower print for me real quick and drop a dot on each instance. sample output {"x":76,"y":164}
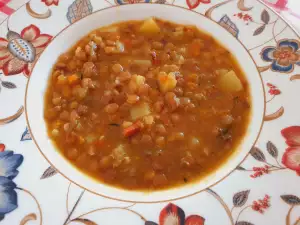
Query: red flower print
{"x":245,"y":17}
{"x":280,"y":4}
{"x":273,"y":89}
{"x":259,"y":171}
{"x":171,"y":215}
{"x":174,"y":215}
{"x":292,"y":135}
{"x":20,"y":51}
{"x":274,"y":92}
{"x":291,"y":157}
{"x":194,"y":220}
{"x":261,"y":204}
{"x":50,"y":2}
{"x":194,"y":3}
{"x":2,"y":147}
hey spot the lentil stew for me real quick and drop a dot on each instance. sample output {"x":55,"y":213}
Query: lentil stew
{"x":147,"y":105}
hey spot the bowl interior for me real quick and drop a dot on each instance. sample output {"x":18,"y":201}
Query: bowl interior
{"x":34,"y":100}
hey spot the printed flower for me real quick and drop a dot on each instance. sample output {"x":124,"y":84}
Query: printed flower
{"x":261,"y":204}
{"x":2,"y":147}
{"x":20,"y":51}
{"x":291,"y":157}
{"x":50,"y":2}
{"x":8,"y":196}
{"x":9,"y":162}
{"x":245,"y":17}
{"x":174,"y":215}
{"x":292,"y":136}
{"x":259,"y":171}
{"x":79,"y":9}
{"x":284,"y":56}
{"x":278,"y":4}
{"x":194,"y":3}
{"x":273,"y":89}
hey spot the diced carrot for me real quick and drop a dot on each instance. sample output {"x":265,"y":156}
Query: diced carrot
{"x":73,"y":79}
{"x":58,"y":124}
{"x":133,"y":129}
{"x":81,"y":140}
{"x":165,"y":119}
{"x":127,"y":43}
{"x":155,"y":60}
{"x":66,"y":91}
{"x":71,"y":138}
{"x":100,"y":141}
{"x":164,"y":79}
{"x":194,"y":48}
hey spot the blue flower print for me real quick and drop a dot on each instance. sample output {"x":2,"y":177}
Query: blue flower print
{"x":9,"y":162}
{"x":284,"y":56}
{"x":8,"y":196}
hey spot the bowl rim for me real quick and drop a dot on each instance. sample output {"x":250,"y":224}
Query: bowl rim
{"x":181,"y":186}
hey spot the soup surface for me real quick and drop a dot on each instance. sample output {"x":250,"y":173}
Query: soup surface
{"x":147,"y":105}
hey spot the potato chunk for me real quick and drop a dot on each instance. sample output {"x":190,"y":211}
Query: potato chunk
{"x":149,"y":27}
{"x":230,"y":82}
{"x":139,"y":111}
{"x":221,"y":72}
{"x":118,"y":155}
{"x":111,"y":29}
{"x":135,"y":82}
{"x":167,"y":82}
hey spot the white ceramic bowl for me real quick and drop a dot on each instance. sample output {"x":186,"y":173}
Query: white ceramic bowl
{"x":38,"y":82}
